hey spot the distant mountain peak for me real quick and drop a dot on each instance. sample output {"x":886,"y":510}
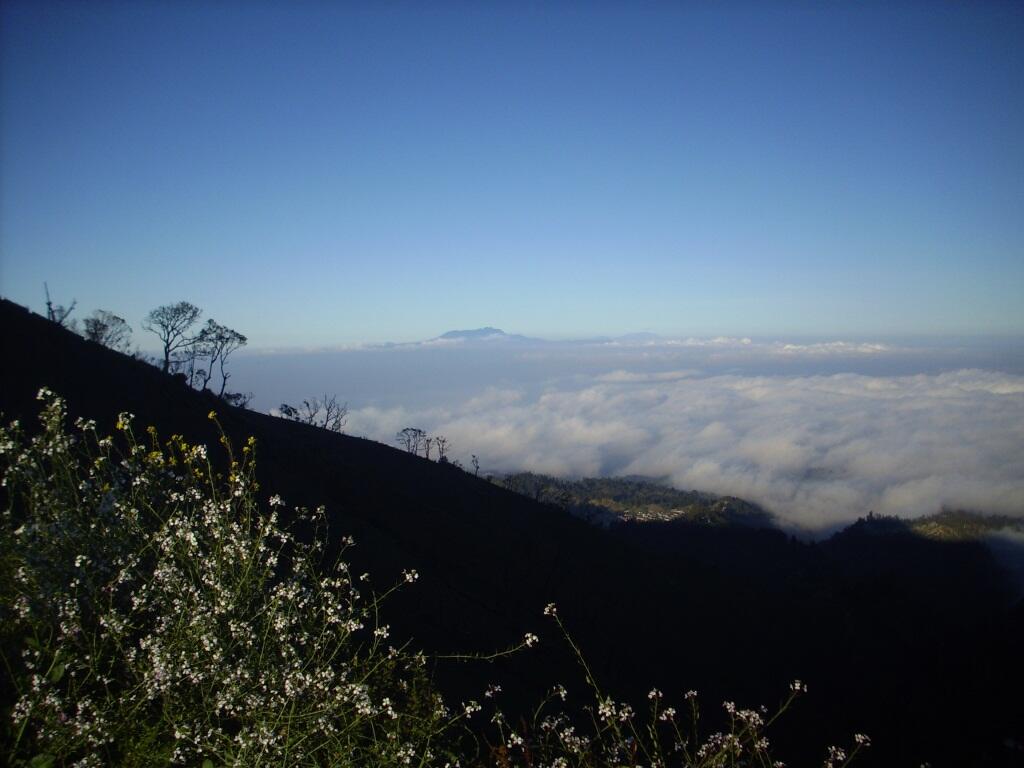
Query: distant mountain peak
{"x":474,"y":333}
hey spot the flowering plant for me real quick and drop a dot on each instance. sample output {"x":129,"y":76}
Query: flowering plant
{"x":155,"y":612}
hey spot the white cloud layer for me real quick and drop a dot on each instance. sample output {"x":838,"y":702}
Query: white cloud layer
{"x":816,"y":450}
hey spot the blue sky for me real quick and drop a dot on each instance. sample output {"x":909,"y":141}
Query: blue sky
{"x":320,"y":173}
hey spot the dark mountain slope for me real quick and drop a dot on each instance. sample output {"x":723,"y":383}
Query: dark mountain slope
{"x":910,"y":641}
{"x":494,"y":547}
{"x":490,"y":559}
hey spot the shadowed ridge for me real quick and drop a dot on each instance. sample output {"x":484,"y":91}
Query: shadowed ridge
{"x":489,"y":558}
{"x":900,"y":637}
{"x":405,"y":510}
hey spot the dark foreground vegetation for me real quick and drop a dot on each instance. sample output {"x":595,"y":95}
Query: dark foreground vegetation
{"x":913,"y":641}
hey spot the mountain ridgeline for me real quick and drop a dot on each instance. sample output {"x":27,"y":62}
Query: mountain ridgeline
{"x":621,"y":501}
{"x":914,"y":639}
{"x":607,"y":501}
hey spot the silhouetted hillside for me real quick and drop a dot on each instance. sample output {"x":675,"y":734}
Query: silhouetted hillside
{"x":913,"y":641}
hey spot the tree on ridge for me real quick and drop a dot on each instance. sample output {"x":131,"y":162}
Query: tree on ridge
{"x":443,"y":444}
{"x":411,"y":438}
{"x":217,"y":342}
{"x":108,"y":329}
{"x":171,"y":323}
{"x":326,"y":413}
{"x":58,"y":313}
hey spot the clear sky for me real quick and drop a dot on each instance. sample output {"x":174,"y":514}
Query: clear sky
{"x":317,"y":173}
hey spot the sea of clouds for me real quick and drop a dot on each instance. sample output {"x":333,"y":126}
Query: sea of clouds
{"x":817,"y":432}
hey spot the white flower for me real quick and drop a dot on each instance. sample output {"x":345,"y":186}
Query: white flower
{"x":550,"y":609}
{"x":835,"y":755}
{"x":530,"y":639}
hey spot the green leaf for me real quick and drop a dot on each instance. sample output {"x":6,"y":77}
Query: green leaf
{"x":42,"y":761}
{"x":32,"y":643}
{"x":56,"y":673}
{"x":207,"y":763}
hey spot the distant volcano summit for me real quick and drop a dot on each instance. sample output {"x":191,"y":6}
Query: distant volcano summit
{"x":485,"y":335}
{"x":475,"y":334}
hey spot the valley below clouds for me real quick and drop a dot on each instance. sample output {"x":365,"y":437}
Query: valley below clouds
{"x":818,"y":432}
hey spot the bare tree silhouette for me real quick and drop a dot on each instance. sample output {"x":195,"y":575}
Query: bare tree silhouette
{"x":171,"y":323}
{"x":411,"y":438}
{"x":326,"y":413}
{"x":442,"y":444}
{"x":108,"y":329}
{"x":58,"y":313}
{"x":216,"y":342}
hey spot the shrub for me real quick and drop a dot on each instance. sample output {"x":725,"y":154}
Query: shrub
{"x":163,"y":617}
